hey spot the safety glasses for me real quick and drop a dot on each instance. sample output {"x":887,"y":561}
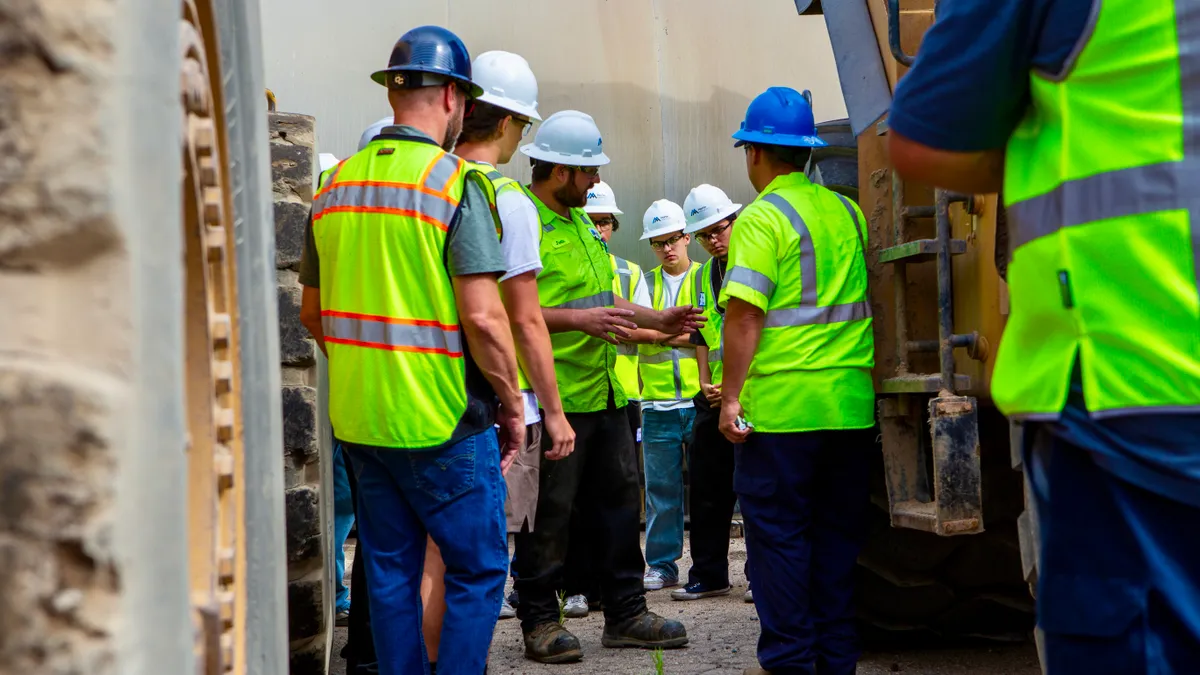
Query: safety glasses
{"x":712,"y":234}
{"x":586,"y":170}
{"x":660,"y":245}
{"x":526,"y":125}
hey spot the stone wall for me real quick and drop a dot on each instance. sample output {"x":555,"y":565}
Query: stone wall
{"x":310,"y":598}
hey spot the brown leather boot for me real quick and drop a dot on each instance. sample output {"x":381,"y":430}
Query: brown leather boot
{"x":646,"y":631}
{"x":551,"y":643}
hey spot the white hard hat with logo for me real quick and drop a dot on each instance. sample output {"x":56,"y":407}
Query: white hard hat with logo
{"x":507,"y":82}
{"x":663,"y":217}
{"x":600,"y":199}
{"x":568,"y":137}
{"x":374,"y":130}
{"x":705,"y":205}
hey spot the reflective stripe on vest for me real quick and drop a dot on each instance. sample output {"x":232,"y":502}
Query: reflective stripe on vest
{"x":394,"y":199}
{"x":602,"y":299}
{"x":381,"y":332}
{"x":682,"y":380}
{"x":713,"y":330}
{"x":625,"y":279}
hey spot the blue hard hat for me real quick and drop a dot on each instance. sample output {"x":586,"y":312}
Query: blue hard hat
{"x":780,"y":116}
{"x":428,"y":49}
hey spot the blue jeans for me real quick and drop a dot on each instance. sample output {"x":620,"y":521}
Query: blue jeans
{"x":664,"y":435}
{"x":455,"y":494}
{"x":343,"y":520}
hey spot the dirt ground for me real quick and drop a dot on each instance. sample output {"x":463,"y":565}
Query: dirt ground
{"x":723,"y":634}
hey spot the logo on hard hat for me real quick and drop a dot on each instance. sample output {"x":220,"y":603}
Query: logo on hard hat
{"x":657,"y":218}
{"x":592,"y":195}
{"x":599,"y":141}
{"x":699,"y":209}
{"x":398,"y":79}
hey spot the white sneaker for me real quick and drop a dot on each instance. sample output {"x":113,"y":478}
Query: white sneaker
{"x":576,"y":607}
{"x":656,"y":580}
{"x":507,"y":611}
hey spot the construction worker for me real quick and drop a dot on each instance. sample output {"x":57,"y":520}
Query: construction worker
{"x":797,"y":392}
{"x":1090,"y":127}
{"x":710,"y":218}
{"x":585,"y":322}
{"x":670,"y":378}
{"x":579,"y":581}
{"x":418,"y":353}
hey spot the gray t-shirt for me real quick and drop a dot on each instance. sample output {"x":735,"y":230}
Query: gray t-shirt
{"x":472,"y":247}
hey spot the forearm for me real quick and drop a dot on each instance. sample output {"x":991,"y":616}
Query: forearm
{"x":561,"y":320}
{"x":485,"y":327}
{"x":646,"y":336}
{"x":743,"y":330}
{"x":532,"y":340}
{"x":310,"y":316}
{"x":644,"y":317}
{"x":967,"y":172}
{"x":702,"y":363}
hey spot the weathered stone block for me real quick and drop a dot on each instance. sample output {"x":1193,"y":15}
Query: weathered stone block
{"x":308,"y":660}
{"x":296,"y":347}
{"x":306,"y":609}
{"x":291,"y":225}
{"x":303,"y":517}
{"x":300,"y":420}
{"x":292,"y":142}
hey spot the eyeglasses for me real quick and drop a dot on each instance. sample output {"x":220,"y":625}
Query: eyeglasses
{"x":526,"y":125}
{"x":712,"y":235}
{"x":604,"y":223}
{"x":660,"y":245}
{"x":587,"y":170}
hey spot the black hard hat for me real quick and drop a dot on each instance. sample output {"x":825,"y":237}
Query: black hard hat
{"x":428,"y":49}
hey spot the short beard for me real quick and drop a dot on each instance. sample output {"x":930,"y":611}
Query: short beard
{"x":571,"y":197}
{"x":453,"y":129}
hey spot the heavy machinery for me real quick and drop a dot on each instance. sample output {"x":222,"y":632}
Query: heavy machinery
{"x":952,"y":549}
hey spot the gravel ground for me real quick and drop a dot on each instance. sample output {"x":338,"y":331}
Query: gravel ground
{"x":723,"y":634}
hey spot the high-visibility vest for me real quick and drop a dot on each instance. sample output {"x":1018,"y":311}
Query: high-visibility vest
{"x":627,"y":278}
{"x":1102,"y":183}
{"x":576,"y":274}
{"x":669,"y":373}
{"x":398,"y":373}
{"x":798,"y":249}
{"x":713,"y":329}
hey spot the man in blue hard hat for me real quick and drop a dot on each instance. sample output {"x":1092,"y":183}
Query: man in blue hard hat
{"x":797,"y":395}
{"x":401,"y":293}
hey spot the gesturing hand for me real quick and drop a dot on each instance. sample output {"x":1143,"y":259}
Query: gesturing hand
{"x":605,"y":322}
{"x":681,"y":319}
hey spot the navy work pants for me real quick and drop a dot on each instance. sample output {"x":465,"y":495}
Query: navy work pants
{"x":1119,"y":569}
{"x":805,"y":500}
{"x":710,"y":469}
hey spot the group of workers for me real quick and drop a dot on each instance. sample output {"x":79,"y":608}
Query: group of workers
{"x":478,"y":329}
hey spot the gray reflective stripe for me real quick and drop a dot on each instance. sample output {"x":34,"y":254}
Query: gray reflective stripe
{"x":547,"y":228}
{"x":379,"y":333}
{"x":808,"y":255}
{"x":627,"y":349}
{"x":678,"y":378}
{"x":650,"y":278}
{"x":1187,"y":27}
{"x":810,"y":316}
{"x":383,"y":198}
{"x":715,"y":355}
{"x":443,"y":170}
{"x":625,"y":274}
{"x":669,"y":355}
{"x":604,"y":299}
{"x":853,"y":216}
{"x":750,"y":278}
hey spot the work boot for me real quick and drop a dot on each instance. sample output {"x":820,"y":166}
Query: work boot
{"x":551,"y":643}
{"x":647,"y":631}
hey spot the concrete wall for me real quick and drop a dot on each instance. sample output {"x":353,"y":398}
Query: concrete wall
{"x":667,"y":80}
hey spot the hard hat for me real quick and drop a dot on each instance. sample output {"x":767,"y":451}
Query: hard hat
{"x":507,"y":82}
{"x":707,"y":204}
{"x":374,"y":130}
{"x":780,"y":116}
{"x":601,"y":199}
{"x":663,"y":217}
{"x":427,"y":49}
{"x":326,"y":161}
{"x":568,"y":137}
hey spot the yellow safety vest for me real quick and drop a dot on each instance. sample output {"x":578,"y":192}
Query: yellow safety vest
{"x":399,"y":375}
{"x":797,"y":251}
{"x":669,"y":373}
{"x":1102,"y":183}
{"x":627,"y":278}
{"x":713,"y":330}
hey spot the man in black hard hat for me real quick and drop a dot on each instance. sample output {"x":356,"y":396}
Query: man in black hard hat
{"x":401,"y":293}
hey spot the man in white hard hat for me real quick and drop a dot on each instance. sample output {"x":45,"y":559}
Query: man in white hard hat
{"x":585,"y":321}
{"x":670,"y":378}
{"x":710,"y":218}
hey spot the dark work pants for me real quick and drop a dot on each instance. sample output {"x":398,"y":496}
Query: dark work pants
{"x":578,"y":576}
{"x":600,"y":479}
{"x":710,"y":469}
{"x":1119,"y":575}
{"x":805,"y":499}
{"x":360,"y":644}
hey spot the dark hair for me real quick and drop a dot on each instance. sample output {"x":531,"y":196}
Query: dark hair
{"x":483,"y":124}
{"x":541,"y":169}
{"x":783,"y":154}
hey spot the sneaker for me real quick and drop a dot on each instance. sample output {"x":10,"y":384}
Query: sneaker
{"x":699,"y":590}
{"x":551,"y":643}
{"x":506,"y":610}
{"x":514,"y":599}
{"x":576,"y":607}
{"x":656,"y":580}
{"x":646,"y":631}
{"x":749,"y":596}
{"x":343,"y":618}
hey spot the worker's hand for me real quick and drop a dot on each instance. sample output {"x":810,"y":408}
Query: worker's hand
{"x":682,"y":319}
{"x":562,"y":436}
{"x":712,"y":392}
{"x":512,"y":435}
{"x":730,"y":411}
{"x":605,"y":322}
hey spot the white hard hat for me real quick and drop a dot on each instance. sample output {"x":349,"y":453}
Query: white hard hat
{"x":374,"y":130}
{"x":327,"y":161}
{"x":568,"y":137}
{"x":601,"y":199}
{"x":507,"y":82}
{"x":663,"y":217}
{"x":707,"y":204}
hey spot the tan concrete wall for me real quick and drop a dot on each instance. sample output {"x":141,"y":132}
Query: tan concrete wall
{"x":667,"y":80}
